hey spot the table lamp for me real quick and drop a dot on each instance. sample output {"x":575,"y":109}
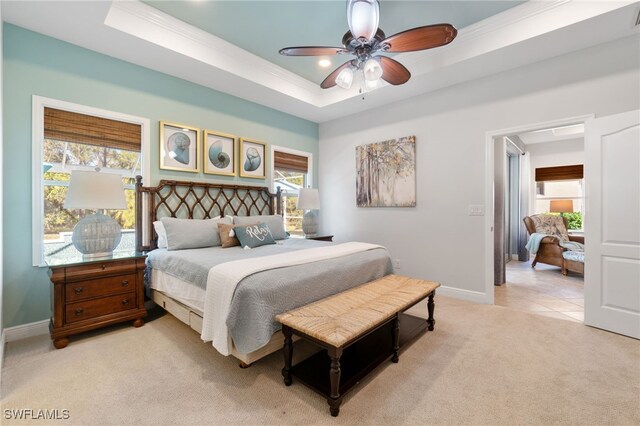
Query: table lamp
{"x":561,"y":206}
{"x":309,"y":200}
{"x":96,"y":235}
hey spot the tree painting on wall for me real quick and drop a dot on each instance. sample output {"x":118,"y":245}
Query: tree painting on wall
{"x":386,"y":173}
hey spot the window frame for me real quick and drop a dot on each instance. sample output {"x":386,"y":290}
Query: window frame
{"x":309,"y":156}
{"x":39,"y":103}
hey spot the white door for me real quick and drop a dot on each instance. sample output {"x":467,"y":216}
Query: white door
{"x":612,"y":223}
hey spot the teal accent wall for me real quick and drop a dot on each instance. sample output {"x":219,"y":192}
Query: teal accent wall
{"x":38,"y":65}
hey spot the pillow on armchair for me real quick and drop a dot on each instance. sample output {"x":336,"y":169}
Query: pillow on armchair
{"x":550,"y":225}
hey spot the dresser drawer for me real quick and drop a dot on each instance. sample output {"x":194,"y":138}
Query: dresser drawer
{"x":81,"y":290}
{"x":99,"y":269}
{"x":97,"y":307}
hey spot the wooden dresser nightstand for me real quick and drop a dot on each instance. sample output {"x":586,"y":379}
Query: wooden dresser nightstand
{"x":89,"y":294}
{"x":319,"y":237}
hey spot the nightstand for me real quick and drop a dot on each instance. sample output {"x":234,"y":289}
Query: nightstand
{"x":320,"y":237}
{"x":89,"y":294}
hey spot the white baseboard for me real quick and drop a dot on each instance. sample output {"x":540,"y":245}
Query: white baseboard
{"x":468,"y":295}
{"x":11,"y":334}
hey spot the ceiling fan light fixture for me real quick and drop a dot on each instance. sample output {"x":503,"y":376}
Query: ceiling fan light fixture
{"x":372,"y":70}
{"x":363,"y":17}
{"x":345,"y":78}
{"x":371,"y":85}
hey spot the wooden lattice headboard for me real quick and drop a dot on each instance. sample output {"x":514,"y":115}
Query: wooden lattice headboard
{"x":196,"y":200}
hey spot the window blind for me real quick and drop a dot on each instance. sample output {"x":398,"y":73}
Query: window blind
{"x":293,"y":162}
{"x":74,"y":127}
{"x":560,"y":173}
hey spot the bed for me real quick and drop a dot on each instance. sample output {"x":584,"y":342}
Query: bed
{"x":294,"y":272}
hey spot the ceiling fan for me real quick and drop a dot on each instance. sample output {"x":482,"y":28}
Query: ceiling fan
{"x":366,"y":41}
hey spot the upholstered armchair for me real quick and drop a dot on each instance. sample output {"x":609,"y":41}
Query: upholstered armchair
{"x":550,"y":251}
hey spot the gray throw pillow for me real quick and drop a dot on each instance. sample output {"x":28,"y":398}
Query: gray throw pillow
{"x":192,"y":233}
{"x":275,"y":223}
{"x":254,"y":235}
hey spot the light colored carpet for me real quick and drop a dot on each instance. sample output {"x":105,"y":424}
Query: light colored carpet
{"x":482,"y":365}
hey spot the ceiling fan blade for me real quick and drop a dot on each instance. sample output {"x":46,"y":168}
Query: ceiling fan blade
{"x":330,"y":81}
{"x":393,"y":72}
{"x":420,"y":38}
{"x":312,"y":51}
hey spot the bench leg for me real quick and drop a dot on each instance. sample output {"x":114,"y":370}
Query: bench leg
{"x":430,"y":307}
{"x":334,"y":399}
{"x":288,"y":354}
{"x":396,"y":339}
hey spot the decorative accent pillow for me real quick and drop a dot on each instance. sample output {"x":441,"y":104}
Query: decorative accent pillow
{"x":228,"y":235}
{"x":275,"y":223}
{"x":192,"y":233}
{"x":550,"y":225}
{"x":162,"y":234}
{"x":252,"y":236}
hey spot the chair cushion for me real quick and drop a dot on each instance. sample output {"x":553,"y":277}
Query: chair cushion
{"x":550,"y":225}
{"x":576,"y":256}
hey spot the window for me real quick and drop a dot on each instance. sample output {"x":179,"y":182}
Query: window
{"x":291,"y":171}
{"x":71,"y":137}
{"x":561,"y":183}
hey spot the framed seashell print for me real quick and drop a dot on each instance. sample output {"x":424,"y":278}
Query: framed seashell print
{"x":179,"y":147}
{"x":219,"y":153}
{"x":253,"y":159}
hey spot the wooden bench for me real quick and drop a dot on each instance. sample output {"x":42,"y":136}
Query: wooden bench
{"x":359,"y":328}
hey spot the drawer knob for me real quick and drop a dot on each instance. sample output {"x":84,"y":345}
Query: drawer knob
{"x":79,"y":311}
{"x":125,"y":283}
{"x":104,"y":267}
{"x":125,"y":302}
{"x":78,"y":290}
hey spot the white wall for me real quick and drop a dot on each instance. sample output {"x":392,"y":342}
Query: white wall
{"x":437,"y":239}
{"x":558,"y":153}
{"x":551,"y":154}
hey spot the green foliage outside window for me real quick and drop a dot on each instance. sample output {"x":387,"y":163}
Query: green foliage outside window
{"x":58,"y":219}
{"x":574,"y":220}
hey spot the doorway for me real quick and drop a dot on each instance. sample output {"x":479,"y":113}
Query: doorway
{"x":542,"y":290}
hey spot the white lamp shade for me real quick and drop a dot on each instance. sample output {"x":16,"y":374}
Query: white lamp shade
{"x":308,"y":199}
{"x":345,"y":78}
{"x":372,"y":70}
{"x":363,"y":17}
{"x":95,"y":190}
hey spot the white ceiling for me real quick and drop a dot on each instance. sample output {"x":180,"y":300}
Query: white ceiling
{"x":138,"y":33}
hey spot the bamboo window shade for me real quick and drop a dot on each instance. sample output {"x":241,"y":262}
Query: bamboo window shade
{"x":292,"y":162}
{"x":560,"y":173}
{"x":74,"y":127}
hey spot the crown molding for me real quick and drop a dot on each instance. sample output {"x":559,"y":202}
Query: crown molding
{"x":152,"y":25}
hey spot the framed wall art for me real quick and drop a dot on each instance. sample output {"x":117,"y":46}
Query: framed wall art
{"x":386,"y":173}
{"x":179,"y":147}
{"x":253,"y":159}
{"x":219,"y":153}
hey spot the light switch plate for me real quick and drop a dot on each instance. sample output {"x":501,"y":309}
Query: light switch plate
{"x":476,"y":210}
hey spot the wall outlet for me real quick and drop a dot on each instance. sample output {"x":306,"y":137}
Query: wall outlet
{"x":396,"y":263}
{"x":476,"y":210}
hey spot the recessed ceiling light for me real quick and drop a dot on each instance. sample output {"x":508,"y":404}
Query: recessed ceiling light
{"x":324,"y":63}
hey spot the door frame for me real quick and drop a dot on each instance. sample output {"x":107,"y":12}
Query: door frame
{"x":489,"y":184}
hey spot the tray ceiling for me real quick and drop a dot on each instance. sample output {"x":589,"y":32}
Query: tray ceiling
{"x":264,"y":27}
{"x":236,"y":53}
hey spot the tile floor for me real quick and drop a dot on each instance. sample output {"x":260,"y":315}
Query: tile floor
{"x":543,"y":291}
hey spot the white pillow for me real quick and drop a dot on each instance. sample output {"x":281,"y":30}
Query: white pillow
{"x":275,"y":222}
{"x":162,"y":234}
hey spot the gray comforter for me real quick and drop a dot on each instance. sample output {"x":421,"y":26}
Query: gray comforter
{"x":260,"y":297}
